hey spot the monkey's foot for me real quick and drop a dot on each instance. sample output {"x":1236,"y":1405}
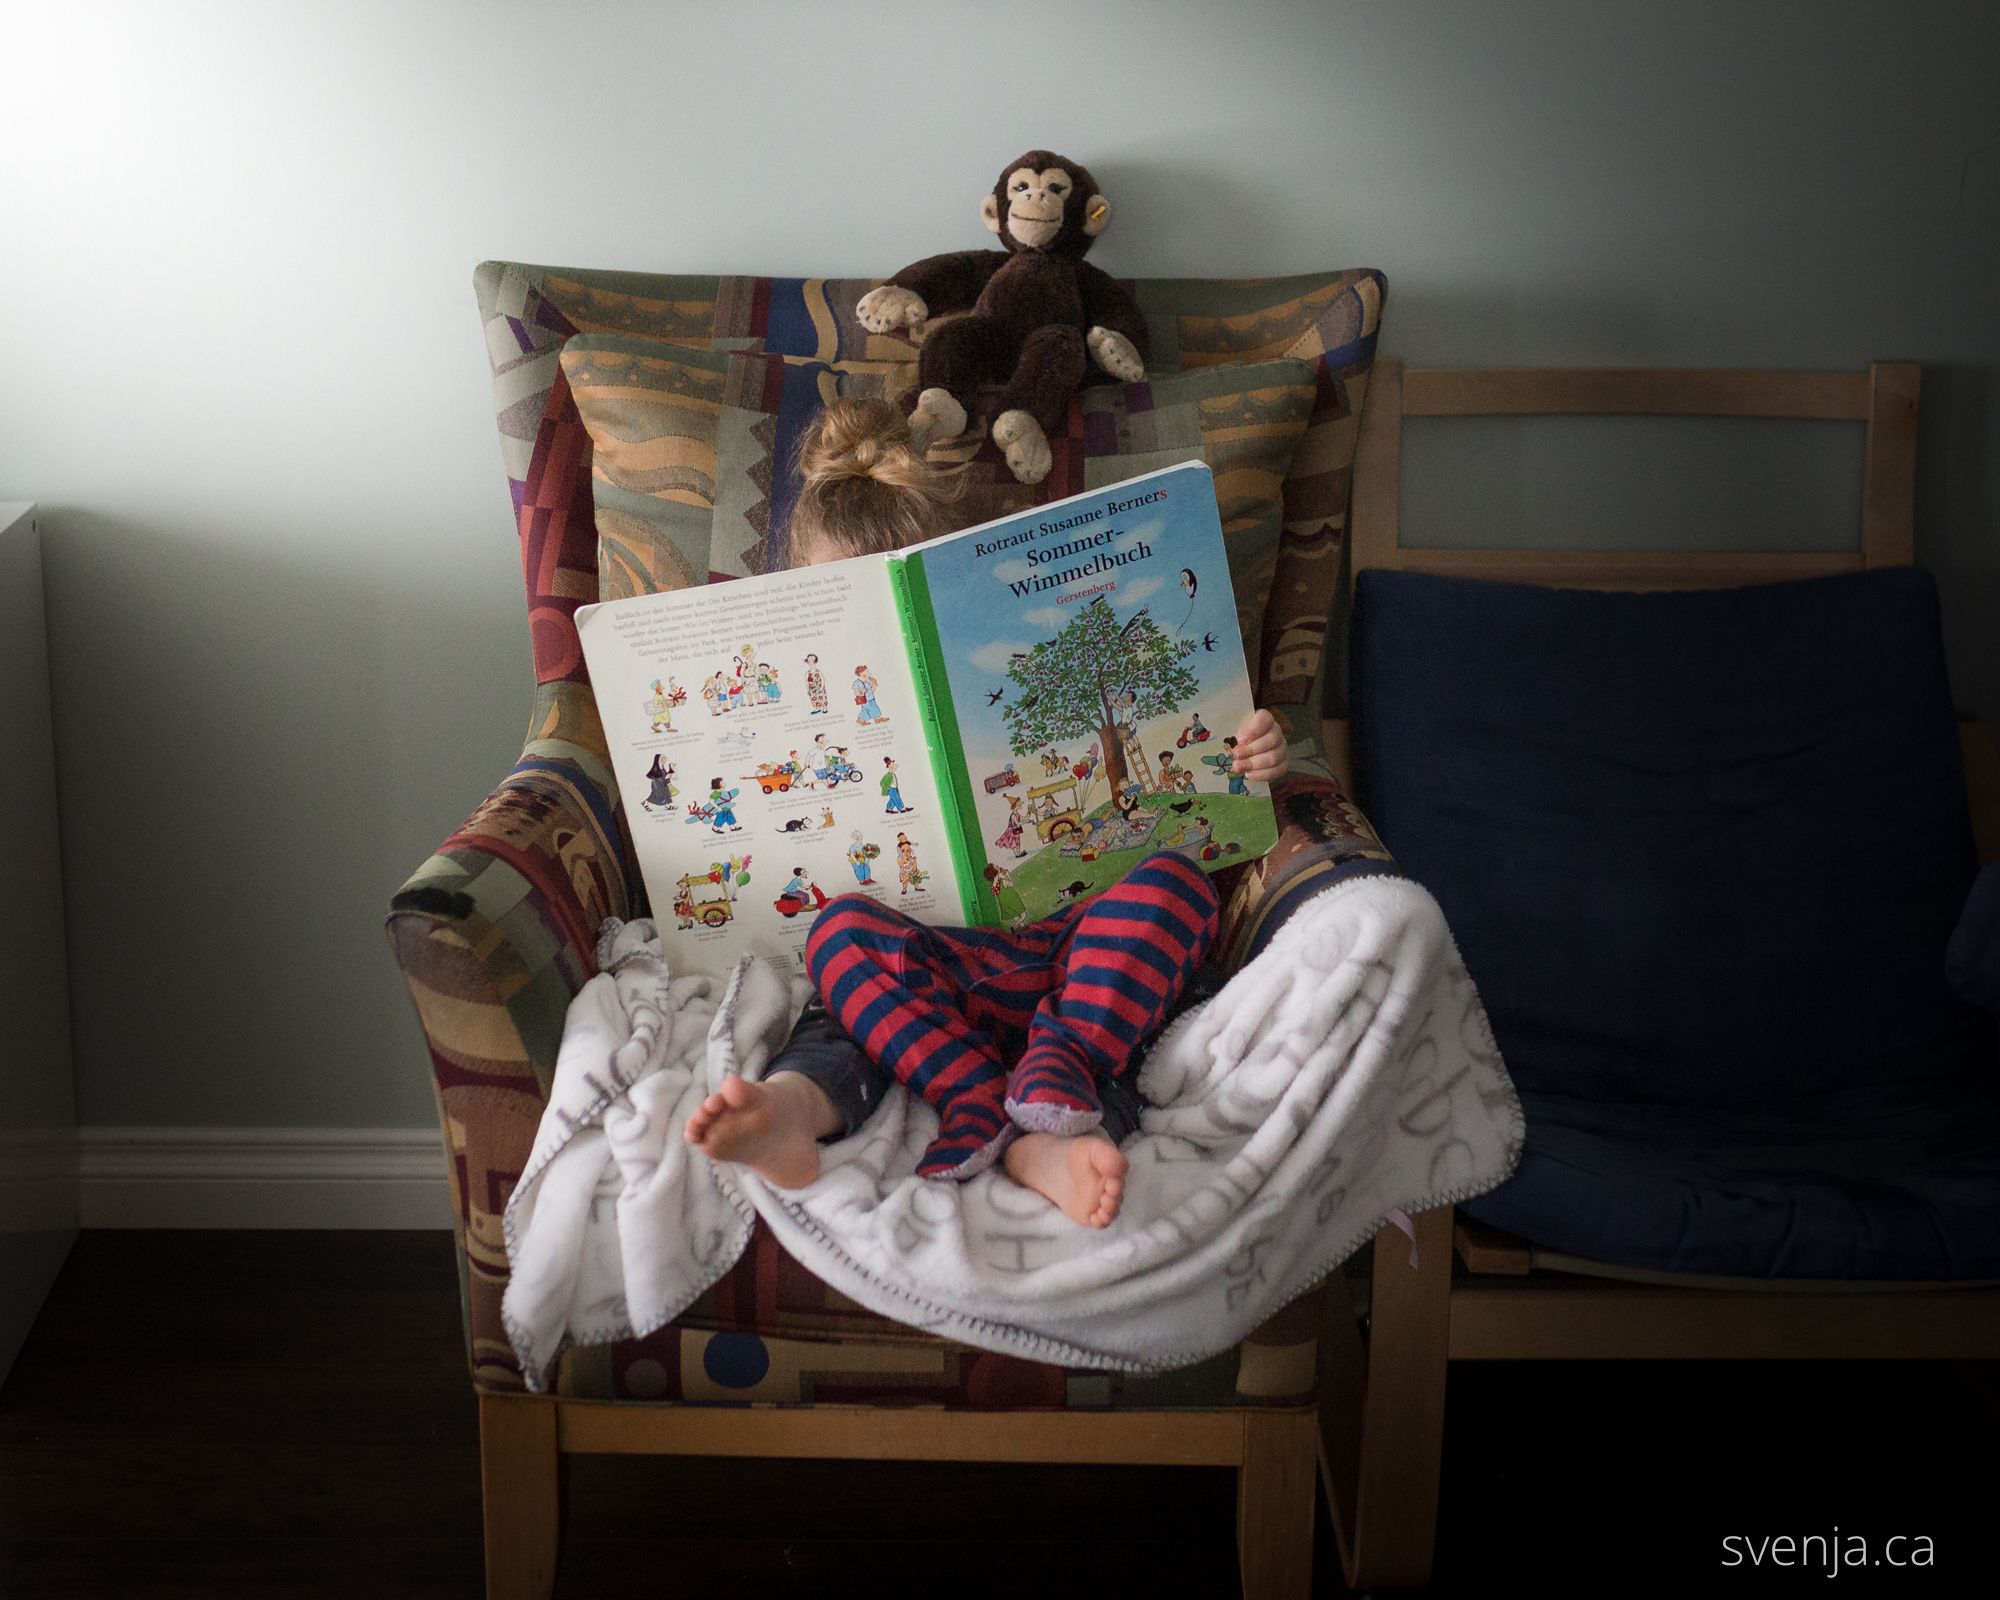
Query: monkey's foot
{"x":1116,"y":354}
{"x":937,"y":416}
{"x":887,"y":308}
{"x":1026,"y":447}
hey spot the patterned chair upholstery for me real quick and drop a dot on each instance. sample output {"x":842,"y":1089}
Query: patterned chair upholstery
{"x":495,"y":932}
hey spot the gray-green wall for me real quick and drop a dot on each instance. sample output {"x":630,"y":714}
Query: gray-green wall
{"x":241,"y":371}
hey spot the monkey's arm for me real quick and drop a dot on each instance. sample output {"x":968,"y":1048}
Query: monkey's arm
{"x":937,"y":286}
{"x":950,"y":282}
{"x":1107,"y":305}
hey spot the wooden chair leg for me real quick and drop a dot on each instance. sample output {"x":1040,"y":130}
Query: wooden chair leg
{"x":519,"y":1475}
{"x":1382,"y":1410}
{"x":1274,"y":1504}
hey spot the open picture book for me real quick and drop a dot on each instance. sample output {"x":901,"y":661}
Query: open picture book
{"x":979,"y":729}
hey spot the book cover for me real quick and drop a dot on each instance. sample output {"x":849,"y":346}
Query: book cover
{"x":1095,"y":672}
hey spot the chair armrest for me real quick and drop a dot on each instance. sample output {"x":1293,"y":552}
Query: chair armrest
{"x":494,"y":934}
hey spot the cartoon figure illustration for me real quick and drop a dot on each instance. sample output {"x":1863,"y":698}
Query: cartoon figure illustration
{"x":908,"y":874}
{"x":767,"y":683}
{"x":1052,"y":762}
{"x":1193,"y":733}
{"x":994,"y":696}
{"x":713,"y":694}
{"x":891,"y":788}
{"x":793,"y":825}
{"x":710,"y":897}
{"x":1010,"y":837}
{"x":1012,"y":907}
{"x":799,"y":894}
{"x":1174,"y":779}
{"x":834,"y":768}
{"x":859,"y":854}
{"x":865,"y":686}
{"x":661,"y":775}
{"x":1208,"y":641}
{"x":825,"y":817}
{"x":1226,"y":765}
{"x":737,"y":740}
{"x":722,"y":807}
{"x":733,"y":693}
{"x":1189,"y":584}
{"x":660,"y":704}
{"x":815,"y":686}
{"x":1005,"y":778}
{"x":1196,"y":837}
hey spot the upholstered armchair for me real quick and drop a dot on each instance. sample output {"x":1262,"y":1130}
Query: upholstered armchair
{"x":495,"y":934}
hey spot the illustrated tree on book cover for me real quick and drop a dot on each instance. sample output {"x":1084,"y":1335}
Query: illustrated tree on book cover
{"x":1098,"y":676}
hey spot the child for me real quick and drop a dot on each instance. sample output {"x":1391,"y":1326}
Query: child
{"x":1021,"y":1037}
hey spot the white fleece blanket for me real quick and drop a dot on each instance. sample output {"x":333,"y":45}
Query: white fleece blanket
{"x":1346,"y":1073}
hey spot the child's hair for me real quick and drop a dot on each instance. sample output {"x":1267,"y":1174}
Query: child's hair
{"x":867,"y":489}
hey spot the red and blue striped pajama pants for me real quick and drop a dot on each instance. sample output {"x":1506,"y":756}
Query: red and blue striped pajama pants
{"x":1002,"y":1030}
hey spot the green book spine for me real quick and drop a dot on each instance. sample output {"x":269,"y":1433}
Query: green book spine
{"x":954,"y":783}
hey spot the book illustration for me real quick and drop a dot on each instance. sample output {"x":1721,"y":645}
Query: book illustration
{"x":1010,"y":836}
{"x":1000,"y":884}
{"x":892,"y":792}
{"x":908,"y":874}
{"x":660,"y":793}
{"x":773,"y":777}
{"x":860,"y":853}
{"x":1086,"y":649}
{"x":709,"y":897}
{"x":746,"y":681}
{"x":829,"y":765}
{"x":800,"y":895}
{"x":661,"y":703}
{"x":736,"y":741}
{"x":866,"y":685}
{"x":718,"y":810}
{"x":815,"y":687}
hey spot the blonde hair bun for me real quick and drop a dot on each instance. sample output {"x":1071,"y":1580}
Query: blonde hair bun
{"x":866,"y":488}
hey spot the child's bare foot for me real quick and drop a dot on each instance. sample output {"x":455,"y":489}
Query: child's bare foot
{"x":771,"y":1127}
{"x":1082,"y":1173}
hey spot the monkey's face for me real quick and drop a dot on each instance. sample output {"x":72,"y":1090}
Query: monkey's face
{"x":1044,"y":202}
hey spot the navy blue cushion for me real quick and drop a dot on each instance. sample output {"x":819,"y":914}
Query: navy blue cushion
{"x":1880,"y":1183}
{"x":1700,"y":850}
{"x":1972,"y":960}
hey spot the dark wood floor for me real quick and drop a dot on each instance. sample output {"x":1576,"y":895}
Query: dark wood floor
{"x":287,"y":1414}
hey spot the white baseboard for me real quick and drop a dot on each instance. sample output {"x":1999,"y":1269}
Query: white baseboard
{"x":263,"y":1178}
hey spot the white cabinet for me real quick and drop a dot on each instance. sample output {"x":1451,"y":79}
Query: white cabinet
{"x":37,"y":1100}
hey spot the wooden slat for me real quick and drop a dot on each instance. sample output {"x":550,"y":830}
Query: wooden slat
{"x":870,"y":1433}
{"x":1889,"y":478}
{"x":1629,"y":569}
{"x":1546,"y":1320}
{"x":1489,"y":1251}
{"x":1981,"y":753}
{"x":1634,"y":391}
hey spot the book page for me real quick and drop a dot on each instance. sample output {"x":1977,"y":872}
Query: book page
{"x":770,"y":756}
{"x":1094,"y":662}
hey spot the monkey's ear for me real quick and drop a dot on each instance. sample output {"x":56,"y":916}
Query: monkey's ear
{"x":1096,"y":216}
{"x":989,"y":208}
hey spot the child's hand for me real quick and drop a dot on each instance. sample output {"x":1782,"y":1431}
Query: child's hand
{"x":1260,"y":748}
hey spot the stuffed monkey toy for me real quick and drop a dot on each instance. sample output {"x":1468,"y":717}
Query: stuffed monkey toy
{"x":1036,"y":312}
